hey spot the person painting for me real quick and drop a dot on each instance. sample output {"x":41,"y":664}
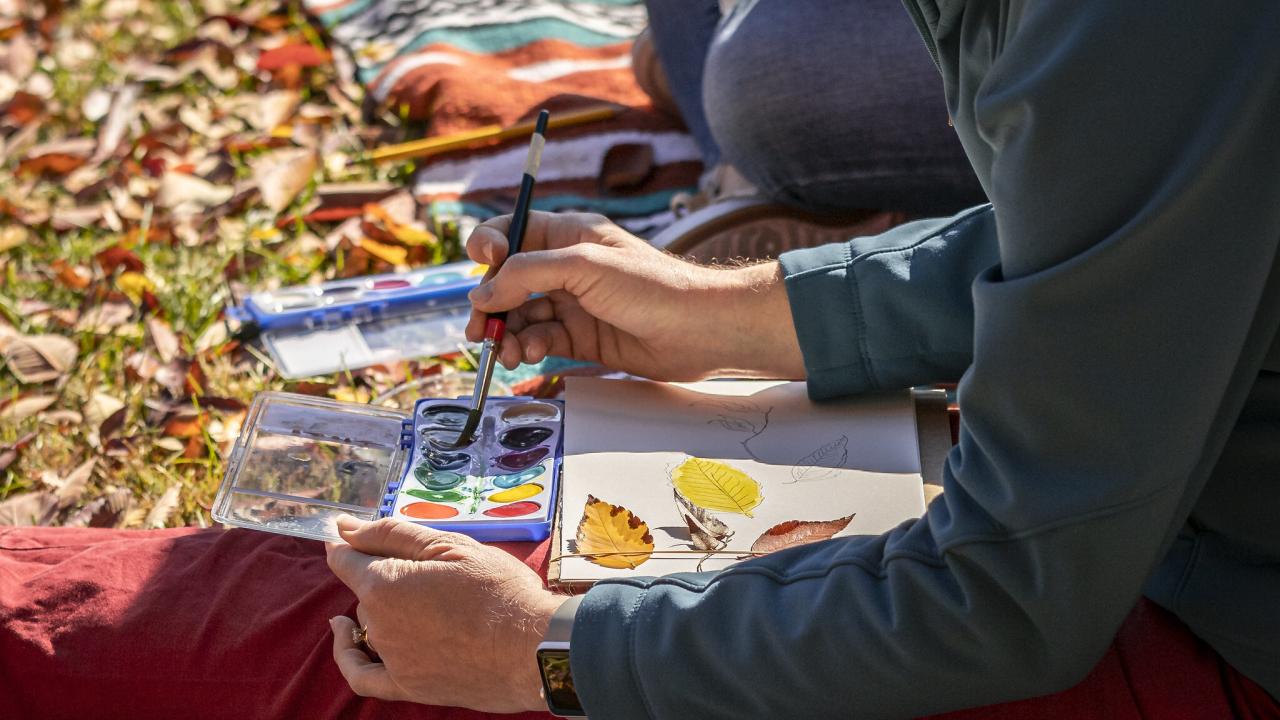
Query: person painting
{"x":1106,"y":542}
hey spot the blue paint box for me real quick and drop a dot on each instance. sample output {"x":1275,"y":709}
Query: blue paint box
{"x":301,"y":461}
{"x":357,"y":322}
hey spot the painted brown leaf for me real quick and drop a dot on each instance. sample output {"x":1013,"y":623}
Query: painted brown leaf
{"x":798,"y":532}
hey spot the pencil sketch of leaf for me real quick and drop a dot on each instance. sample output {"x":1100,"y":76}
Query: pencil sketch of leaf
{"x":712,"y":485}
{"x":821,"y":463}
{"x":798,"y":532}
{"x":726,"y":404}
{"x":733,"y":423}
{"x":705,"y":530}
{"x":616,"y":537}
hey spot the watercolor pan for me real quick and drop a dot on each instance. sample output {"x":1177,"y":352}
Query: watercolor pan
{"x":302,"y":461}
{"x":356,"y":322}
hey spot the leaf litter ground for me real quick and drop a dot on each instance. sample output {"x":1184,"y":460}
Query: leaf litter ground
{"x":157,"y":159}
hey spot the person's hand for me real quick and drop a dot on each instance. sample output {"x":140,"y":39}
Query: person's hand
{"x":611,"y":298}
{"x":453,"y":622}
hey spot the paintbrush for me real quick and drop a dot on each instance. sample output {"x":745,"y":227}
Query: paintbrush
{"x":495,"y":325}
{"x":484,"y":135}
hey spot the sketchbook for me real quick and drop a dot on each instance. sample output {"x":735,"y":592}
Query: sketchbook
{"x":661,"y":478}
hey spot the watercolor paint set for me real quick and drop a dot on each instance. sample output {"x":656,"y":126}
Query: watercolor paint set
{"x":357,"y":322}
{"x":302,"y":461}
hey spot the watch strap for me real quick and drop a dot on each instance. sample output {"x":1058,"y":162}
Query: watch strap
{"x":561,"y":627}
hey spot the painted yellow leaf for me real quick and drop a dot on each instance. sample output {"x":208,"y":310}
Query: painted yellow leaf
{"x":715,"y":486}
{"x":611,"y":536}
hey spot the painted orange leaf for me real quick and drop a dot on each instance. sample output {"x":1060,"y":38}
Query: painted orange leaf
{"x":611,"y":536}
{"x":798,"y":532}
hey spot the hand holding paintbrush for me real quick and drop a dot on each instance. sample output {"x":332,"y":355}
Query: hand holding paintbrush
{"x":496,"y":323}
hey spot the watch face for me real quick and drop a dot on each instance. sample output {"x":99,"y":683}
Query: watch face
{"x":557,"y":681}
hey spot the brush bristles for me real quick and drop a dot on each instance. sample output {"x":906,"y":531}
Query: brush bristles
{"x":535,"y":155}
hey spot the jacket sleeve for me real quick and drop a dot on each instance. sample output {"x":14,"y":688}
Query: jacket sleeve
{"x":1134,"y":183}
{"x":893,"y":310}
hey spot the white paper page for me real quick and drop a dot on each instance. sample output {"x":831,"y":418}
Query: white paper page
{"x":816,"y":462}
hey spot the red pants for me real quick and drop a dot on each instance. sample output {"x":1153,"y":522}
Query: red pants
{"x":234,"y":624}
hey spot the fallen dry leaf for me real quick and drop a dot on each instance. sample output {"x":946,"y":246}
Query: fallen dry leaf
{"x":113,"y":131}
{"x":181,"y":377}
{"x":188,"y":424}
{"x":110,"y":510}
{"x":68,"y":489}
{"x":84,"y":516}
{"x":273,"y":109}
{"x":70,"y":218}
{"x":24,"y":406}
{"x":9,"y":453}
{"x":186,"y":194}
{"x":56,"y":158}
{"x":27,"y":509}
{"x":96,"y":104}
{"x":105,"y":317}
{"x":61,"y":417}
{"x":71,"y":276}
{"x":214,"y":336}
{"x":163,"y":339}
{"x":13,"y":236}
{"x":40,"y":358}
{"x":135,"y":286}
{"x":142,"y":365}
{"x":164,"y":507}
{"x":100,"y":407}
{"x":294,"y":55}
{"x":118,"y":256}
{"x":281,"y":175}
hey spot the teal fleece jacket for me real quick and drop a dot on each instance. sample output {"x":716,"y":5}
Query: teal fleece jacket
{"x":1111,"y":317}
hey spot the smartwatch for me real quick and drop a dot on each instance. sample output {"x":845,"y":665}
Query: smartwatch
{"x":553,"y":662}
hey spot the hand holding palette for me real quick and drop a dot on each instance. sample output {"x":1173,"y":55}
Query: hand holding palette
{"x":302,"y":461}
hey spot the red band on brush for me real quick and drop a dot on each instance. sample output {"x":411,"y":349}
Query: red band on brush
{"x":495,"y":328}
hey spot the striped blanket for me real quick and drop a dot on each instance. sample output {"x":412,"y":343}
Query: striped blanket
{"x":461,"y":64}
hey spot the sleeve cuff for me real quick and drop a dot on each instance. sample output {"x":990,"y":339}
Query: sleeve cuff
{"x":828,"y":318}
{"x":602,"y":653}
